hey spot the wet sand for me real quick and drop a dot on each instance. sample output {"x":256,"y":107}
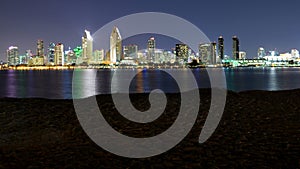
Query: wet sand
{"x":258,"y":130}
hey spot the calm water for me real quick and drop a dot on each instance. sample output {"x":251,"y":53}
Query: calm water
{"x":58,"y":84}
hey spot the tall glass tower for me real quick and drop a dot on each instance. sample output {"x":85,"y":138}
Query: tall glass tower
{"x":208,"y":53}
{"x":182,"y":52}
{"x":51,"y":53}
{"x":13,"y":56}
{"x":40,"y":49}
{"x":221,"y":47}
{"x":151,"y":49}
{"x":87,"y":46}
{"x":235,"y":48}
{"x":115,"y":46}
{"x":59,"y":54}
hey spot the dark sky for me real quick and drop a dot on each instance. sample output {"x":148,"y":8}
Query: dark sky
{"x":272,"y":24}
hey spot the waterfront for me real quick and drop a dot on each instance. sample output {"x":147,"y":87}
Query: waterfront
{"x":57,"y":84}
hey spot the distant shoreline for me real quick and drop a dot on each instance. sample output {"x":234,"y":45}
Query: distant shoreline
{"x":39,"y":68}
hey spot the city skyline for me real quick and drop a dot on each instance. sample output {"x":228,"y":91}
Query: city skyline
{"x":251,"y":21}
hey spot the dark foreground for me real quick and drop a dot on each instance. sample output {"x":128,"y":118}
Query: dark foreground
{"x":258,"y":130}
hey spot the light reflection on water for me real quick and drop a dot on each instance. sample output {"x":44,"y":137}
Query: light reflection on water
{"x":58,"y":84}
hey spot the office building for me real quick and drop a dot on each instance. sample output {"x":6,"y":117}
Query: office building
{"x":208,"y":53}
{"x":242,"y":55}
{"x":40,"y":49}
{"x":59,"y":54}
{"x":261,"y":53}
{"x":182,"y":52}
{"x":87,"y":46}
{"x":130,"y":51}
{"x":235,"y":47}
{"x":12,"y":56}
{"x":51,"y":53}
{"x":221,"y":47}
{"x":151,"y":45}
{"x":115,"y":46}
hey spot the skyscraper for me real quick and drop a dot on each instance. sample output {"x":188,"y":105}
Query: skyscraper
{"x":208,"y":53}
{"x":235,"y":47}
{"x":221,"y":47}
{"x":151,"y":49}
{"x":12,"y":56}
{"x":130,"y":51}
{"x":87,"y":46}
{"x":51,"y":53}
{"x":59,"y":54}
{"x":28,"y":55}
{"x":182,"y":52}
{"x":115,"y":46}
{"x":40,"y":49}
{"x":98,"y":56}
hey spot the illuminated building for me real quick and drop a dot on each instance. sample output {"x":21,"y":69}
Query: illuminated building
{"x":23,"y":60}
{"x":98,"y":56}
{"x":130,"y":51}
{"x":115,"y":46}
{"x":87,"y":47}
{"x":261,"y":52}
{"x":235,"y":47}
{"x":12,"y":56}
{"x":70,"y":57}
{"x":273,"y":53}
{"x":208,"y":53}
{"x":40,"y":49}
{"x":78,"y":51}
{"x":182,"y":52}
{"x":38,"y":59}
{"x":242,"y":55}
{"x":295,"y":53}
{"x":59,"y":54}
{"x":51,"y":53}
{"x":221,"y":47}
{"x":151,"y":49}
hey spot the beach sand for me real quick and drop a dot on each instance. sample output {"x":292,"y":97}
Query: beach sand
{"x":258,"y":129}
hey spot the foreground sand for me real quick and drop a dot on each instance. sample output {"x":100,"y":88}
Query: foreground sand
{"x":258,"y":130}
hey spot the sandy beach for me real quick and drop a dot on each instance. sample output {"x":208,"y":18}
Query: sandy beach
{"x":259,"y":129}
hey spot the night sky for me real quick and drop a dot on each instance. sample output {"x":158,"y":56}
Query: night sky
{"x":271,"y":24}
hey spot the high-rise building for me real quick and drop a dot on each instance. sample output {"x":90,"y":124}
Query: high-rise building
{"x":151,"y":49}
{"x":28,"y":55}
{"x":12,"y":56}
{"x":23,"y":59}
{"x":130,"y":51}
{"x":98,"y":56}
{"x":51,"y":53}
{"x":59,"y":54}
{"x":208,"y":53}
{"x":182,"y":52}
{"x":87,"y":46}
{"x":261,"y":53}
{"x":235,"y":47}
{"x":40,"y":49}
{"x":115,"y":46}
{"x":70,"y":57}
{"x":221,"y":47}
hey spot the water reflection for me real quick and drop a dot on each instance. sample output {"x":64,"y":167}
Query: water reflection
{"x":58,"y":84}
{"x":11,"y":84}
{"x":273,"y":80}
